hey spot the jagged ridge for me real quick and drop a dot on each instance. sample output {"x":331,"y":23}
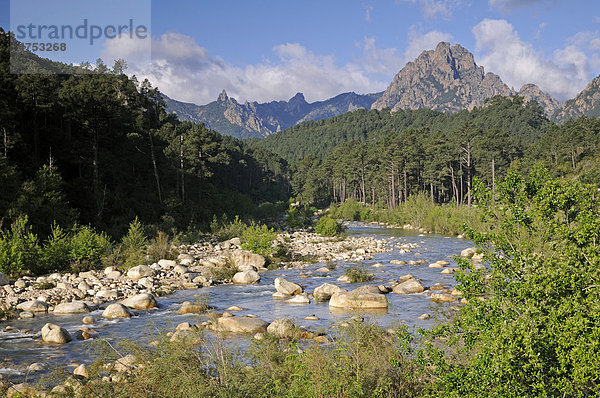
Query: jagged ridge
{"x":253,"y":119}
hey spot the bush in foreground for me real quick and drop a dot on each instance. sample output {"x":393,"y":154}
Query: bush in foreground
{"x":363,"y":361}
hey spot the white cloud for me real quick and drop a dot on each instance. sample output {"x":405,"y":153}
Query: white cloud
{"x":369,"y":13}
{"x":384,"y":62}
{"x":434,"y":8}
{"x":501,"y":51}
{"x":184,"y":70}
{"x":512,"y":4}
{"x":420,"y":42}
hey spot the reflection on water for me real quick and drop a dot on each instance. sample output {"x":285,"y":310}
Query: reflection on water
{"x":18,"y":350}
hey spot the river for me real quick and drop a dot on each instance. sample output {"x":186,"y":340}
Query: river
{"x":20,"y":348}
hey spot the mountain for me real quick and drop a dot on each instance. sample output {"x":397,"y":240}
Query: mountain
{"x":445,"y":79}
{"x":586,"y":103}
{"x":253,"y":119}
{"x":531,"y":92}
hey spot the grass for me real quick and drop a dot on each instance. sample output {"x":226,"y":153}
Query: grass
{"x":362,"y":361}
{"x":358,"y":274}
{"x":418,"y":211}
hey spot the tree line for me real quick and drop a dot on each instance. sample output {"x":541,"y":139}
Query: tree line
{"x":90,"y":145}
{"x":382,"y":158}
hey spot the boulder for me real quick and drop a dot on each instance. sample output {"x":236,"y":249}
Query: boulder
{"x":114,"y":274}
{"x":54,"y":334}
{"x":236,"y":324}
{"x":185,"y":259}
{"x":166,"y":264}
{"x":140,"y":272}
{"x":242,"y":259}
{"x":88,"y":320}
{"x":468,"y":252}
{"x":299,"y":299}
{"x":81,"y":371}
{"x":325,"y":291}
{"x":287,"y":287}
{"x":282,"y":328}
{"x":108,"y":294}
{"x":246,"y":277}
{"x":180,"y":269}
{"x":76,"y":307}
{"x":143,"y":301}
{"x":33,"y":306}
{"x":146,"y":282}
{"x":117,"y":310}
{"x":344,"y":278}
{"x":358,"y":299}
{"x":3,"y":279}
{"x":21,"y":390}
{"x":409,"y":286}
{"x":190,"y":336}
{"x":126,"y":363}
{"x":442,"y":298}
{"x":189,"y":308}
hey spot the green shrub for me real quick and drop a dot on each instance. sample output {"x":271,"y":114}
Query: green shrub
{"x":19,"y":248}
{"x":349,"y":210}
{"x":133,"y":245}
{"x":56,"y":251}
{"x":160,"y":247}
{"x":88,"y":248}
{"x":225,"y":230}
{"x":358,"y":274}
{"x":299,"y":217}
{"x":327,"y":226}
{"x":258,"y":239}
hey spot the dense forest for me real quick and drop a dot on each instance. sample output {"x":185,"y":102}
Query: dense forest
{"x":378,"y":157}
{"x":91,"y":145}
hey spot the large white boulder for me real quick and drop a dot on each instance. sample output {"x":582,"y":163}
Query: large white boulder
{"x":409,"y":286}
{"x":75,"y":307}
{"x":246,"y":277}
{"x":54,"y":334}
{"x":243,"y":259}
{"x":143,"y":301}
{"x":235,"y":324}
{"x":286,"y":287}
{"x":117,"y":310}
{"x":359,"y":299}
{"x":282,"y":328}
{"x":33,"y":306}
{"x":326,"y":290}
{"x":140,"y":272}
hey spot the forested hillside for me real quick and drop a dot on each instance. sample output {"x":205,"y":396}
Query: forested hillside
{"x":378,"y":157}
{"x":96,"y":146}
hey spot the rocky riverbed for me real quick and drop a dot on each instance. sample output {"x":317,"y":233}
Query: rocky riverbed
{"x":306,"y":292}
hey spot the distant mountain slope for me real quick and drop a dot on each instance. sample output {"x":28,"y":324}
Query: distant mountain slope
{"x":252,"y":119}
{"x":531,"y":92}
{"x":523,"y":122}
{"x":586,"y":103}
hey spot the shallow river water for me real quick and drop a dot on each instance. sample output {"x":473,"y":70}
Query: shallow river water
{"x":18,"y":350}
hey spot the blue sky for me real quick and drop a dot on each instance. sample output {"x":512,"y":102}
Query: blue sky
{"x":270,"y":49}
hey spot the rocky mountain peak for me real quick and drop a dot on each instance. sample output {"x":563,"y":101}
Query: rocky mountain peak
{"x":586,"y":103}
{"x":531,"y":92}
{"x":223,"y":96}
{"x":298,"y":99}
{"x":446,"y":79}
